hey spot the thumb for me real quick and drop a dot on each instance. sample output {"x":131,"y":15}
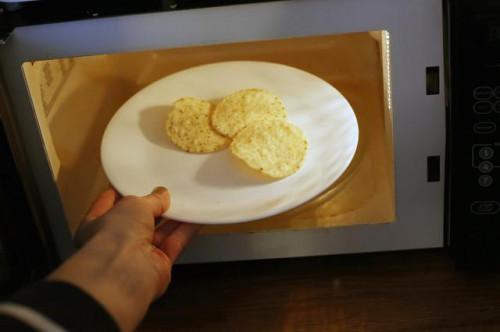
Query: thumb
{"x":159,"y":200}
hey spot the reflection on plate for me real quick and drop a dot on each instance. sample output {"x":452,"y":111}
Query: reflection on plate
{"x":217,"y":188}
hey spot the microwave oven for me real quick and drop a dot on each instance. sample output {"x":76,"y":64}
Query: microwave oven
{"x":420,"y":75}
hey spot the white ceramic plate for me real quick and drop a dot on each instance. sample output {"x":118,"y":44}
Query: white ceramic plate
{"x":217,"y":188}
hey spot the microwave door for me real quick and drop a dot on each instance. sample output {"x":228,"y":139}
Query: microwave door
{"x":115,"y":57}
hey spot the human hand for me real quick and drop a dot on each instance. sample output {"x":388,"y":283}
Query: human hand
{"x":125,"y":259}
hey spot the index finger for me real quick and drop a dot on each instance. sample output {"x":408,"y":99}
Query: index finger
{"x":104,"y":202}
{"x":175,"y":243}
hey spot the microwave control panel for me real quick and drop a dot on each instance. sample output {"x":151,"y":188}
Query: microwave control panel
{"x":473,"y":133}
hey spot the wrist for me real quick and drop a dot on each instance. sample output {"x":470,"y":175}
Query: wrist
{"x":109,"y":269}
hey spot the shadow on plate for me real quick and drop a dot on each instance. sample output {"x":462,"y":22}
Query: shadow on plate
{"x":152,"y":124}
{"x":223,"y":170}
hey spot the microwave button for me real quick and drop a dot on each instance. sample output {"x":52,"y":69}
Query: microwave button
{"x":485,"y":180}
{"x":497,"y":92}
{"x":482,"y":107}
{"x":496,"y":106}
{"x":485,"y":207}
{"x":483,"y":92}
{"x":485,"y":166}
{"x":486,"y":152}
{"x":484,"y":127}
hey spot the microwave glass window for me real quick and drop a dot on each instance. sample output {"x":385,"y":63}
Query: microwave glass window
{"x":75,"y":98}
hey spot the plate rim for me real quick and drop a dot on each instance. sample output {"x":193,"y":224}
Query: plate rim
{"x":268,"y":213}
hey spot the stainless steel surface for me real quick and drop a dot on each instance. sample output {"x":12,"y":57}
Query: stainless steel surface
{"x":419,"y":120}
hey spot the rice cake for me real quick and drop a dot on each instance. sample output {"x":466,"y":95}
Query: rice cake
{"x":243,"y":107}
{"x":274,"y":147}
{"x":188,"y":126}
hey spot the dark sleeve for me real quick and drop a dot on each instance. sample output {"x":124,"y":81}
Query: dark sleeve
{"x":63,"y":304}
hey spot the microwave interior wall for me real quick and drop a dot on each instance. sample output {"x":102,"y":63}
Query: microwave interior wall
{"x":74,"y":99}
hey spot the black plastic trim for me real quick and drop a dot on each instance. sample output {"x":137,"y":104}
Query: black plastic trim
{"x":40,"y":12}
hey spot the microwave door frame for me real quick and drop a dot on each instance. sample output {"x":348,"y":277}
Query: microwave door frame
{"x":415,"y":29}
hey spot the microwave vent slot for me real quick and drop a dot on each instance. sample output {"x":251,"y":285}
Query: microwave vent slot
{"x":432,"y":80}
{"x":433,"y":169}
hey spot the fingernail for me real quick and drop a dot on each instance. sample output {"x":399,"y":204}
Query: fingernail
{"x":160,"y":190}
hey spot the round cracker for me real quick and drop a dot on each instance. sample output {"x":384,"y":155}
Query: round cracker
{"x":188,"y":126}
{"x":239,"y":109}
{"x":276,"y":148}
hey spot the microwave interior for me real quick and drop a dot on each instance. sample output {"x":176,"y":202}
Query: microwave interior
{"x":75,"y":98}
